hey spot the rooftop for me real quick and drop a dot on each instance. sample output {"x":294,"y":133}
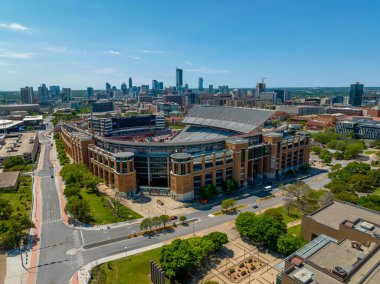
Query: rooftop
{"x":241,"y":120}
{"x":193,"y":133}
{"x":337,"y":212}
{"x":17,"y":145}
{"x":9,"y":179}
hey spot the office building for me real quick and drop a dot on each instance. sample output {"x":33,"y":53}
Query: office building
{"x":223,"y":89}
{"x":167,"y":108}
{"x":179,"y":80}
{"x":130,"y":83}
{"x":7,"y":109}
{"x":260,"y":88}
{"x":43,"y":94}
{"x":144,"y":89}
{"x":66,"y":95}
{"x":200,"y":84}
{"x":27,"y":95}
{"x":90,"y":93}
{"x":24,"y":145}
{"x":155,"y":86}
{"x":103,"y":106}
{"x":210,"y":89}
{"x":54,"y":91}
{"x":161,"y":86}
{"x":108,"y":87}
{"x":124,"y":89}
{"x":356,"y":94}
{"x":337,"y":99}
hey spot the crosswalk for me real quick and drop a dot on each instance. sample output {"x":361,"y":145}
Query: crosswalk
{"x":77,"y":245}
{"x":51,"y":221}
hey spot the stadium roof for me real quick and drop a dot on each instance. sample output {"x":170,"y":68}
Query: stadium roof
{"x":241,"y":120}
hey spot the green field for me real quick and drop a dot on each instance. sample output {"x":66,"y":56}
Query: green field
{"x":377,"y":192}
{"x":21,"y":200}
{"x":294,"y":214}
{"x":369,"y":152}
{"x":295,"y":230}
{"x":135,"y":269}
{"x":101,"y":210}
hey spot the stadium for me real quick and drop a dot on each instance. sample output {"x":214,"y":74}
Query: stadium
{"x":133,"y":154}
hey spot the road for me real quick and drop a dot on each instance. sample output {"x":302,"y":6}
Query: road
{"x":61,"y":251}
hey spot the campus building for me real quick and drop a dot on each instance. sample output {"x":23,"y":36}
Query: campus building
{"x":344,"y":247}
{"x":218,"y":143}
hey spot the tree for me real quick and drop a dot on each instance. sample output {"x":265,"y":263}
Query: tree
{"x":274,"y":213}
{"x":79,"y":209}
{"x":228,"y":204}
{"x":156,"y":221}
{"x":71,"y":190}
{"x":362,"y":183}
{"x":336,"y":167}
{"x":218,"y":239}
{"x":209,"y":191}
{"x":146,"y":223}
{"x":183,"y":218}
{"x":164,"y":219}
{"x":14,"y":230}
{"x":325,"y":156}
{"x":316,"y":149}
{"x":230,"y":185}
{"x":244,"y":222}
{"x":302,"y":196}
{"x":370,"y":201}
{"x":6,"y":209}
{"x":13,"y":161}
{"x":287,"y":244}
{"x":117,"y":206}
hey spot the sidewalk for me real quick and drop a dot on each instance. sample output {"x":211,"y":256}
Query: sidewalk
{"x":83,"y":275}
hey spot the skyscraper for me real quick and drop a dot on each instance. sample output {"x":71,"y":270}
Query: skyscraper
{"x":179,"y":80}
{"x":54,"y":91}
{"x":90,"y":92}
{"x":130,"y":83}
{"x":108,"y":87}
{"x":124,"y":89}
{"x":210,"y":89}
{"x":200,"y":84}
{"x":66,"y":95}
{"x":43,"y":93}
{"x":27,"y":95}
{"x":155,"y":85}
{"x":161,"y":86}
{"x":260,"y":88}
{"x":356,"y":94}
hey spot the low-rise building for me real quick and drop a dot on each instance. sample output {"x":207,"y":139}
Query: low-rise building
{"x":9,"y":181}
{"x":24,"y":145}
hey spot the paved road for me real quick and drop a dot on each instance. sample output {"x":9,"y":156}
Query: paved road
{"x":61,"y":250}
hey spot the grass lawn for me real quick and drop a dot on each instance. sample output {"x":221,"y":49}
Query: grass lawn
{"x":369,"y":152}
{"x":101,"y":210}
{"x":318,"y":193}
{"x":294,"y":214}
{"x":296,"y":230}
{"x":21,"y":200}
{"x":377,"y":191}
{"x":134,"y":270}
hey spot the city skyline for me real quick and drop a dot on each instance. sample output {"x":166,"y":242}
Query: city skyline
{"x":224,"y":44}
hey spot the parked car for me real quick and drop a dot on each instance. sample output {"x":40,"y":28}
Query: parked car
{"x":173,"y":217}
{"x":255,"y":206}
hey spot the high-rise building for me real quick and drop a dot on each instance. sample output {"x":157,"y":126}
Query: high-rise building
{"x":144,"y":89}
{"x":210,"y":89}
{"x":179,"y":80}
{"x":200,"y":84}
{"x":130,"y":83}
{"x":54,"y":91}
{"x":161,"y":86}
{"x":27,"y":95}
{"x":90,"y":92}
{"x":356,"y":94}
{"x":108,"y":87}
{"x":66,"y":95}
{"x":260,"y":88}
{"x":43,"y":94}
{"x":155,"y":85}
{"x":124,"y":89}
{"x":223,"y":89}
{"x":186,"y":87}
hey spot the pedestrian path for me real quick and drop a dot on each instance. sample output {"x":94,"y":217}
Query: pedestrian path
{"x":77,"y":245}
{"x":51,"y":221}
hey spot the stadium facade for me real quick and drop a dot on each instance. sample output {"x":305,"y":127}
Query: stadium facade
{"x":218,"y":143}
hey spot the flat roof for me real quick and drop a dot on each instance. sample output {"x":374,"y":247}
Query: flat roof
{"x":15,"y":146}
{"x":337,"y":212}
{"x":193,"y":133}
{"x":33,"y":117}
{"x":8,"y":179}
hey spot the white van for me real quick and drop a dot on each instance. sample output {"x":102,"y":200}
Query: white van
{"x":268,"y":188}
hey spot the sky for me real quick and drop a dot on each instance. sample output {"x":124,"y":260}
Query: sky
{"x":291,"y":43}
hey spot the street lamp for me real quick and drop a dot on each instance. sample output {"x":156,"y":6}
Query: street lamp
{"x":126,"y":253}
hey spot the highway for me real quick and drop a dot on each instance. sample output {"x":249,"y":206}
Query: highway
{"x":61,"y":251}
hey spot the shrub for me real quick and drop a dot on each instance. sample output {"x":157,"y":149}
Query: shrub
{"x":253,"y":267}
{"x":232,"y":270}
{"x":243,"y":273}
{"x":241,"y":265}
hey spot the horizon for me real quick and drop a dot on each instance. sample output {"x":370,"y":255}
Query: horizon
{"x":302,"y":45}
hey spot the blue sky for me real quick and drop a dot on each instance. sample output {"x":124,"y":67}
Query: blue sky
{"x":80,"y":43}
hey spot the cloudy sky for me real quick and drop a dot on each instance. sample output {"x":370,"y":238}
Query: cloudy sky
{"x":80,"y":43}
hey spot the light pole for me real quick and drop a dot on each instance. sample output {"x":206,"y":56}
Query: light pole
{"x":126,"y":253}
{"x":193,"y":227}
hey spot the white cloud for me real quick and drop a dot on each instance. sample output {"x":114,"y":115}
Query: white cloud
{"x":14,"y":27}
{"x":134,"y":57}
{"x":56,"y":49}
{"x":104,"y":70}
{"x":149,"y":51}
{"x":189,"y":62}
{"x":112,"y":52}
{"x":16,"y":55}
{"x":206,"y":70}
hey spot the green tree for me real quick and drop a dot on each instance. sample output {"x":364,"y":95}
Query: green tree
{"x":182,"y":218}
{"x":230,"y":185}
{"x":218,"y":239}
{"x":13,"y":161}
{"x":6,"y":209}
{"x":71,"y":190}
{"x":164,"y":219}
{"x":302,"y":197}
{"x":156,"y":220}
{"x":370,"y":201}
{"x":316,"y":149}
{"x":13,"y":230}
{"x":274,"y":213}
{"x":228,"y":204}
{"x":287,"y":244}
{"x":79,"y":209}
{"x":362,"y":183}
{"x":146,"y":223}
{"x":325,"y":156}
{"x":244,"y":222}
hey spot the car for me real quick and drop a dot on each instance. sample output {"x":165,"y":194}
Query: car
{"x":268,"y":188}
{"x":173,"y":217}
{"x":255,"y":206}
{"x":52,"y":176}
